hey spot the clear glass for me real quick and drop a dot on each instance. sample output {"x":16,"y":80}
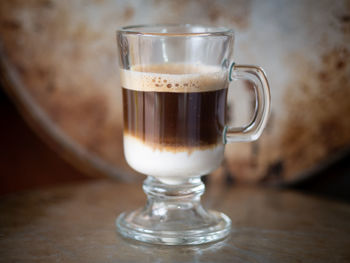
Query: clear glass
{"x":174,"y":82}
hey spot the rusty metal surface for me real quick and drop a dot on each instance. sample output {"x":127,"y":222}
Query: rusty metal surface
{"x":59,"y":58}
{"x":76,"y":224}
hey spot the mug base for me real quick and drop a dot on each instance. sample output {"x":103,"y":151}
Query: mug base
{"x":193,"y":231}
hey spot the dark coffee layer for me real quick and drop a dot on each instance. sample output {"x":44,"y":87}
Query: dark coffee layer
{"x":176,"y":119}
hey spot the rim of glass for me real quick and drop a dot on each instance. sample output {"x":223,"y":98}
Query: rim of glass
{"x":209,"y":30}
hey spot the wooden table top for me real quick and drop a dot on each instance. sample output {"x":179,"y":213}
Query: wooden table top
{"x":76,"y":223}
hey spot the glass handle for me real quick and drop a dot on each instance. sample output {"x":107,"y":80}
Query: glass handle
{"x":253,"y":130}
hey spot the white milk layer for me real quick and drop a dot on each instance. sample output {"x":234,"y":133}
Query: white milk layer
{"x":168,"y":166}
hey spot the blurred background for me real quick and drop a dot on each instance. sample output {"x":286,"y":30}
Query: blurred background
{"x":60,"y":100}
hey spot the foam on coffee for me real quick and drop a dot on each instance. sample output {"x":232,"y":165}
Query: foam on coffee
{"x":173,"y":78}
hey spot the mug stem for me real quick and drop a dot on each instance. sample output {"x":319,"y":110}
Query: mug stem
{"x":174,"y":215}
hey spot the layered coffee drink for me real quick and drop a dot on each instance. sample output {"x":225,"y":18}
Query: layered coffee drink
{"x":174,"y":116}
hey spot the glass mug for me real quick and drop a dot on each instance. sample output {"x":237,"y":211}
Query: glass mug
{"x":174,"y":82}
